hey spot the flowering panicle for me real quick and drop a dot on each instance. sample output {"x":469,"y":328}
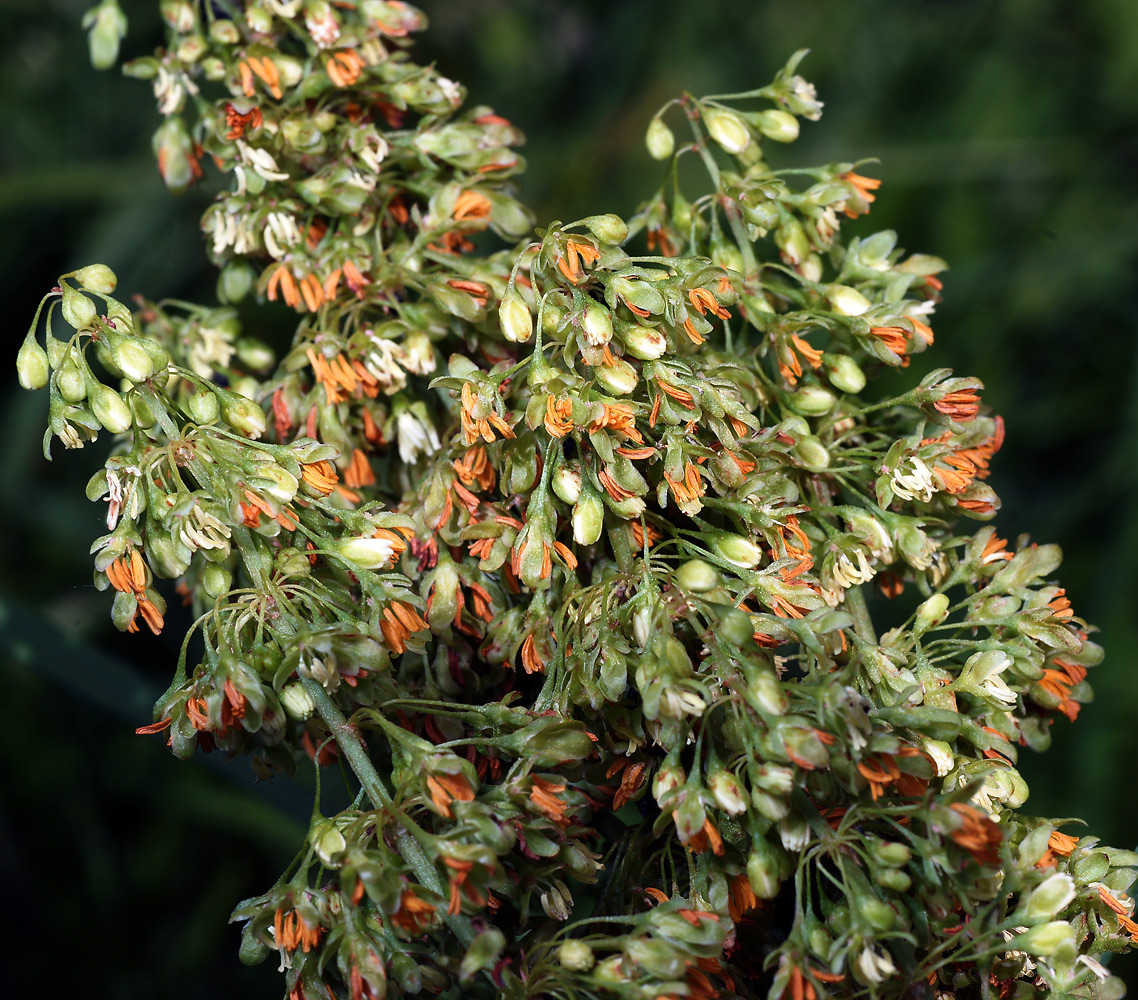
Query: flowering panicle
{"x":564,"y":550}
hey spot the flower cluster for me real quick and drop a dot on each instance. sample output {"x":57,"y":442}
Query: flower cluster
{"x":671,"y":661}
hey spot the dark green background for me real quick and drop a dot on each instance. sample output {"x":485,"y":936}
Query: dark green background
{"x":1008,"y":140}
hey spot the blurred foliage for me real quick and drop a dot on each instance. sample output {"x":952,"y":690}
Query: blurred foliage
{"x":1007,"y":132}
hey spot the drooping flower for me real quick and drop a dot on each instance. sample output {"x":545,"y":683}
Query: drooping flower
{"x":414,"y":915}
{"x":344,"y":68}
{"x":400,"y":621}
{"x":129,"y":575}
{"x":558,"y":416}
{"x":577,"y":256}
{"x":960,"y":405}
{"x":447,"y":788}
{"x":977,"y":834}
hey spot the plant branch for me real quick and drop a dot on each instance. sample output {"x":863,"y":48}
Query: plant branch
{"x":352,"y":747}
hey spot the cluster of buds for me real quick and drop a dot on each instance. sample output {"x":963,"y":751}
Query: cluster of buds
{"x":656,"y":641}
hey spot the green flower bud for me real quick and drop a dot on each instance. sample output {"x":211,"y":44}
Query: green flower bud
{"x":224,"y":32}
{"x":619,"y":379}
{"x":636,"y":292}
{"x":610,"y":228}
{"x":588,"y":519}
{"x":891,"y":853}
{"x":880,"y":916}
{"x":697,"y":576}
{"x":727,"y":255}
{"x":846,"y":301}
{"x":735,"y":627}
{"x":237,"y":277}
{"x":213,"y":69}
{"x":820,"y":941}
{"x":727,"y":129}
{"x":107,"y":24}
{"x":124,"y":610}
{"x":201,"y":405}
{"x":444,"y":602}
{"x":242,"y":414}
{"x":576,"y":956}
{"x":781,"y":126}
{"x":812,"y":401}
{"x":253,"y":951}
{"x":596,"y":324}
{"x":303,"y":135}
{"x":803,"y":743}
{"x":531,"y":552}
{"x":71,"y":380}
{"x":891,"y":878}
{"x":245,"y":385}
{"x":659,"y":140}
{"x":812,"y":453}
{"x":792,"y":241}
{"x":567,"y":483}
{"x":168,"y":556}
{"x":131,"y":358}
{"x":727,"y":792}
{"x":515,"y":317}
{"x":174,"y":147}
{"x":97,"y":278}
{"x":109,"y":407}
{"x":329,"y":844}
{"x":1050,"y":897}
{"x":644,"y":342}
{"x":277,"y":482}
{"x":1045,"y":939}
{"x":217,"y":580}
{"x":770,"y":806}
{"x":1091,"y":868}
{"x":763,"y":868}
{"x":31,"y":364}
{"x":297,"y":701}
{"x":255,"y":354}
{"x":844,"y":373}
{"x":774,"y":778}
{"x":483,"y":951}
{"x":78,"y":310}
{"x":555,"y":307}
{"x":370,"y":553}
{"x":766,"y":694}
{"x":293,"y":563}
{"x":737,"y":550}
{"x":290,"y":69}
{"x":179,"y":14}
{"x":408,"y":973}
{"x":934,"y":609}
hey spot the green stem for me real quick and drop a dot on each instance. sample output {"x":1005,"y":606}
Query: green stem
{"x":621,"y":548}
{"x":863,"y":624}
{"x":352,"y":747}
